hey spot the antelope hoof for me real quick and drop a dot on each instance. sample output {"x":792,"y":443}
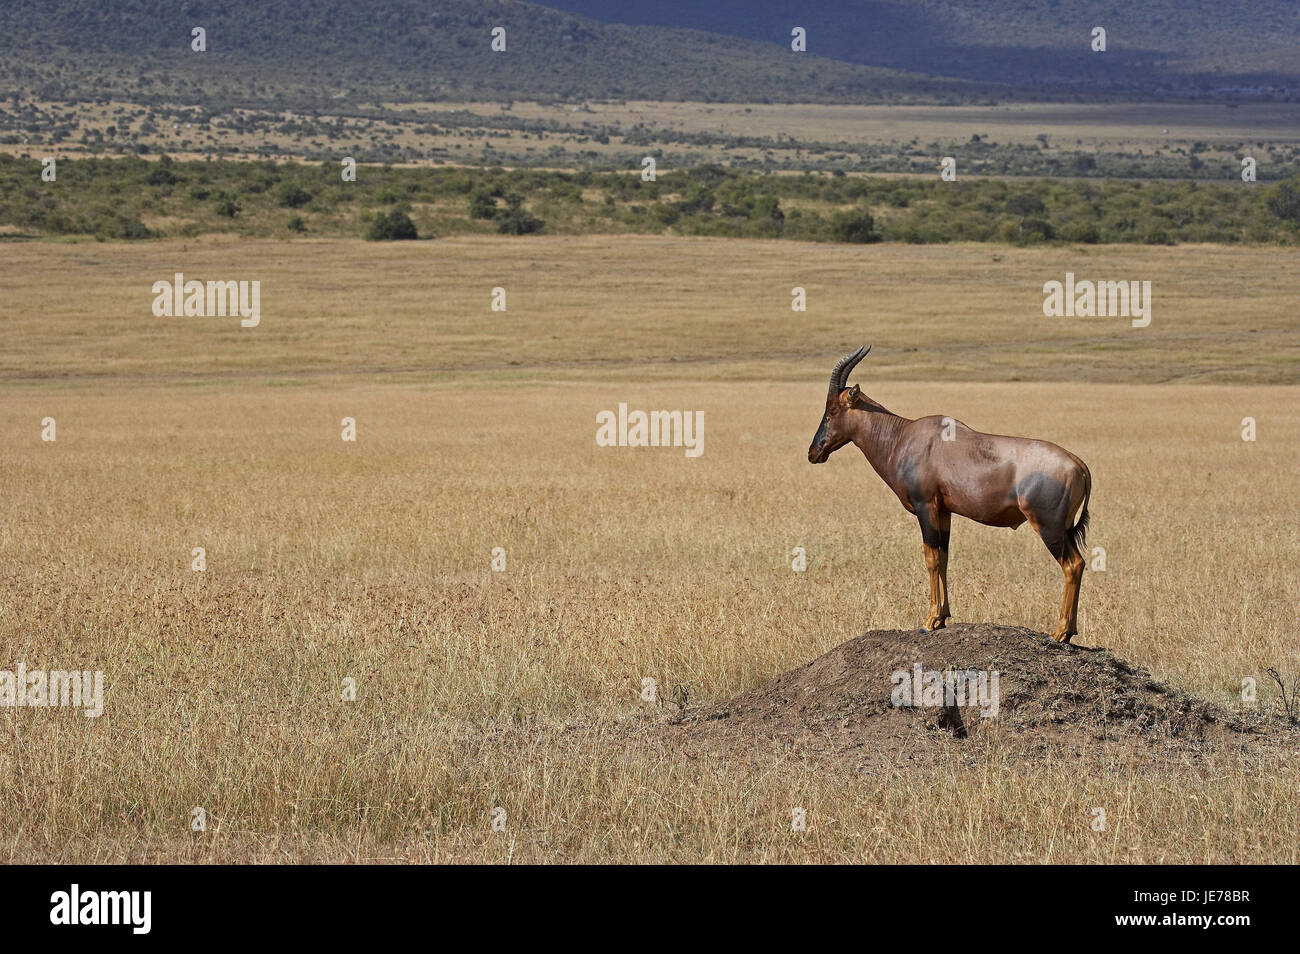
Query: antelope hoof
{"x":1062,"y":635}
{"x":936,"y":622}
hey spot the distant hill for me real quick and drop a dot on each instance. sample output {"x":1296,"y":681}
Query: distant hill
{"x":290,"y":52}
{"x":1152,"y":46}
{"x":264,"y":50}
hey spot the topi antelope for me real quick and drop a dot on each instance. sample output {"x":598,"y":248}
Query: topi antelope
{"x":939,"y":467}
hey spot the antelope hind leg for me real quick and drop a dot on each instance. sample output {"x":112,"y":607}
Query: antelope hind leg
{"x":1072,"y":566}
{"x":1058,"y":543}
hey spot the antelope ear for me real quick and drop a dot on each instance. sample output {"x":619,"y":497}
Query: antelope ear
{"x":849,"y":397}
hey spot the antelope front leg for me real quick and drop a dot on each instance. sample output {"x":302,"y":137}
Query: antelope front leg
{"x":936,"y":562}
{"x":936,"y":525}
{"x":943,"y":580}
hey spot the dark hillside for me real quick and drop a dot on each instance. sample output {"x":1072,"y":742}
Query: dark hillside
{"x":1192,"y":46}
{"x":406,"y":49}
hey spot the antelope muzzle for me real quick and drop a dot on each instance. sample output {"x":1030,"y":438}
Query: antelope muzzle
{"x":819,"y":450}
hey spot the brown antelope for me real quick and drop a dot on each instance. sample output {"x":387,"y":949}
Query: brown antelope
{"x":939,"y":467}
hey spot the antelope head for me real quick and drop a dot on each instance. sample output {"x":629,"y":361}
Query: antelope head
{"x":836,"y":429}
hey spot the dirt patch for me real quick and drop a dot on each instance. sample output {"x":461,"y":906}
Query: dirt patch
{"x":860,"y":701}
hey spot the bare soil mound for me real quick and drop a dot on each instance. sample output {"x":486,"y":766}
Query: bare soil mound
{"x":853,"y":700}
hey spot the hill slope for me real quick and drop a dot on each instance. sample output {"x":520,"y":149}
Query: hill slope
{"x":406,"y":49}
{"x":1180,"y":44}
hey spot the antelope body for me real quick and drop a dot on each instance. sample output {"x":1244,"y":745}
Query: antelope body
{"x":938,"y":467}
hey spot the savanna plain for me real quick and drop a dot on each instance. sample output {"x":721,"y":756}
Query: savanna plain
{"x":522,"y":689}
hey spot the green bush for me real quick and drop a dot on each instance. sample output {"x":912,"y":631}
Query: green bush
{"x":391,"y":226}
{"x":133,"y":229}
{"x":1082,"y":232}
{"x":1025,"y":204}
{"x":1284,"y":200}
{"x":113,"y":226}
{"x":293,"y":196}
{"x":481,"y":204}
{"x":226,"y":206}
{"x":664,"y":213}
{"x":1034,"y":230}
{"x":518,"y":222}
{"x":855,"y":225}
{"x":699,"y":199}
{"x":767,"y":211}
{"x":161,"y":175}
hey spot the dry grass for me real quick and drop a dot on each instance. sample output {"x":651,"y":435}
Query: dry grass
{"x":476,"y":689}
{"x":640,"y":307}
{"x":1151,"y":128}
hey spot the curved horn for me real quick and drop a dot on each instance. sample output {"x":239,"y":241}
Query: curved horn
{"x":845,"y":367}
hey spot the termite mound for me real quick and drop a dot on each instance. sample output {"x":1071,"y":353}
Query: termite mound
{"x":900,"y":695}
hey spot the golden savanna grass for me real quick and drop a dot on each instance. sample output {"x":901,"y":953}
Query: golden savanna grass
{"x":476,"y":689}
{"x":628,"y":308}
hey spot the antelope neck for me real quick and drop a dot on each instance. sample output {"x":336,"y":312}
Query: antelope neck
{"x":876,"y":433}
